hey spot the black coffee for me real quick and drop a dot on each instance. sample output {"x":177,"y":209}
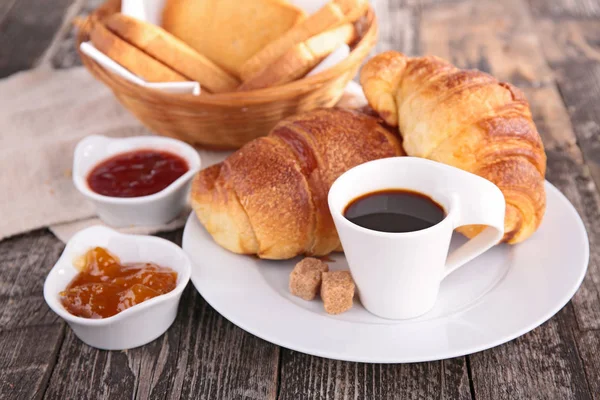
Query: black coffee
{"x":394,"y":210}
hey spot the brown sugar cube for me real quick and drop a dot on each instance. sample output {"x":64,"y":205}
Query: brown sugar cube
{"x":337,"y":291}
{"x":305,"y":279}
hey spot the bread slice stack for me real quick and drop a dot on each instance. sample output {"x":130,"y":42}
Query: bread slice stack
{"x":174,"y":53}
{"x":228,"y":45}
{"x":229,"y":31}
{"x":131,"y":57}
{"x":328,"y":17}
{"x":300,"y":58}
{"x":155,"y":55}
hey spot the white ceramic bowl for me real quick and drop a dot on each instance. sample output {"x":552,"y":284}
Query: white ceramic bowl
{"x":136,"y":325}
{"x":155,"y":209}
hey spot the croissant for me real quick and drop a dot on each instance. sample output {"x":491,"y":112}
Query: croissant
{"x":270,"y":197}
{"x":466,"y":119}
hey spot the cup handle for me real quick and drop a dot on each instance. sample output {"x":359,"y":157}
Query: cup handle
{"x":477,"y":201}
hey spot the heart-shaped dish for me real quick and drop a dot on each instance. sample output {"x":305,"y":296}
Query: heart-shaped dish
{"x":139,"y":324}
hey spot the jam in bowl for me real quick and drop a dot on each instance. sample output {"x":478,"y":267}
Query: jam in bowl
{"x":135,"y":181}
{"x":105,"y":286}
{"x":136,"y":173}
{"x":101,"y":286}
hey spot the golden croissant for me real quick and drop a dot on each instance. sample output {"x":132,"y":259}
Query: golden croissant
{"x":466,"y":119}
{"x":270,"y":197}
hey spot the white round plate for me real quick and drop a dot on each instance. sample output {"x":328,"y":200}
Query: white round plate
{"x":497,"y":297}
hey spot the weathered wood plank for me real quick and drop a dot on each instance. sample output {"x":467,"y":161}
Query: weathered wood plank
{"x":28,"y":356}
{"x":579,"y":84}
{"x":24,"y":263}
{"x":588,"y":344}
{"x":566,"y":170}
{"x":573,"y":50}
{"x":30,"y":334}
{"x":223,"y":361}
{"x":201,"y":356}
{"x":65,"y":52}
{"x":495,"y":37}
{"x":569,"y":40}
{"x":552,"y":119}
{"x":574,"y":180}
{"x":543,"y":364}
{"x":566,"y":8}
{"x":308,"y":377}
{"x":82,"y":372}
{"x":397,"y":27}
{"x":26,"y":31}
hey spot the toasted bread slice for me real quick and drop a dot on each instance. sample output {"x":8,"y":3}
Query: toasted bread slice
{"x":229,"y":32}
{"x":332,"y":14}
{"x":132,"y":58}
{"x":172,"y":52}
{"x":301,"y":58}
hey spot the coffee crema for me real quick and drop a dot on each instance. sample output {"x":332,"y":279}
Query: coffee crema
{"x":394,"y":211}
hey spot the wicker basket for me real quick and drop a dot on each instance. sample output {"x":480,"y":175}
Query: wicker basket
{"x":229,"y":120}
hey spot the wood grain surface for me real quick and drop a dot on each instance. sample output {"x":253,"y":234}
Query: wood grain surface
{"x":26,"y":30}
{"x":549,"y":49}
{"x":30,"y":335}
{"x":304,"y":376}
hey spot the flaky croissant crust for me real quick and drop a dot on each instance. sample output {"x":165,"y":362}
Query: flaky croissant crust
{"x":270,"y":197}
{"x":467,"y":119}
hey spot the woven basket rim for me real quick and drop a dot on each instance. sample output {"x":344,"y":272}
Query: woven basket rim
{"x":235,"y":99}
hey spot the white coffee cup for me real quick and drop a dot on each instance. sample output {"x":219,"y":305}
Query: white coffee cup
{"x":398,"y":275}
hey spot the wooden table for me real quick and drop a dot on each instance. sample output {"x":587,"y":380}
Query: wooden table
{"x":551,"y":49}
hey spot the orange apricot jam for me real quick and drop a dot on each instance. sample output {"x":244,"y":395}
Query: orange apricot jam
{"x":105,"y":287}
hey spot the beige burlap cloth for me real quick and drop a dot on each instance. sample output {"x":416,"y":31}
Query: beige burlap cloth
{"x":43,"y":114}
